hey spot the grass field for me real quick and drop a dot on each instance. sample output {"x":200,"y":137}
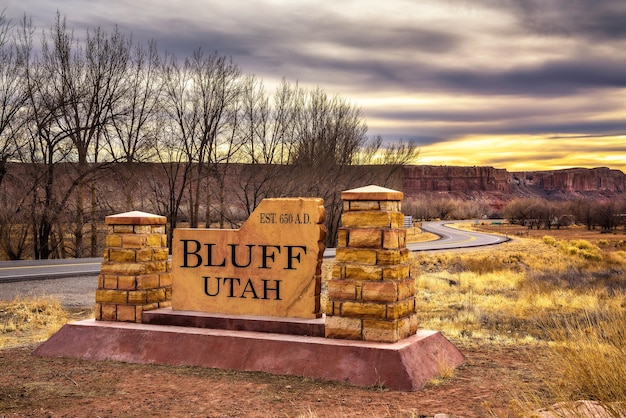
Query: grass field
{"x":562,"y":291}
{"x":561,"y":297}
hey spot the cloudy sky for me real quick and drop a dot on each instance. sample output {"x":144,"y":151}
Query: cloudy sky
{"x":515,"y":84}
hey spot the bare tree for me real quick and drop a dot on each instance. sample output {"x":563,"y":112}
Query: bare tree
{"x":133,"y":127}
{"x":12,"y":94}
{"x":88,"y":82}
{"x":216,"y":88}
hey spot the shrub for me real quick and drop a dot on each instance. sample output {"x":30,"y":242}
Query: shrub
{"x":550,"y":240}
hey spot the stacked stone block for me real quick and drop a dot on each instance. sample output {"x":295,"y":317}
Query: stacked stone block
{"x":371,"y":295}
{"x":136,"y":273}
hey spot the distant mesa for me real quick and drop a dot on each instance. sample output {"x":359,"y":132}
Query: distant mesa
{"x":501,"y":185}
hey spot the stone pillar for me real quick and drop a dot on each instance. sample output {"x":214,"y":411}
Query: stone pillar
{"x":371,"y":295}
{"x":136,"y":273}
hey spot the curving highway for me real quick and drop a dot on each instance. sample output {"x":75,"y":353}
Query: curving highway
{"x":449,"y":238}
{"x":453,"y":238}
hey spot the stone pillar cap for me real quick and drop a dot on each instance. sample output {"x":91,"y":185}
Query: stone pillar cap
{"x":372,"y":192}
{"x":135,"y":218}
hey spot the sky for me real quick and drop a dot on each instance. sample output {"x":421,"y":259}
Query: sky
{"x":514,"y":84}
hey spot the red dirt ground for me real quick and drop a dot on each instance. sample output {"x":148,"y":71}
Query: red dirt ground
{"x":44,"y":387}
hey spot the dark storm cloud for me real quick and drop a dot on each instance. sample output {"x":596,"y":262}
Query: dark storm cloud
{"x":603,"y":20}
{"x":495,"y":67}
{"x":549,"y":78}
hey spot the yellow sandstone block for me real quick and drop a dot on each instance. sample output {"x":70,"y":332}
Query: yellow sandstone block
{"x":380,"y":330}
{"x":341,"y":327}
{"x":342,"y":238}
{"x":413,"y":324}
{"x":126,"y":283}
{"x":365,"y":238}
{"x":341,"y":290}
{"x":397,"y":272}
{"x":356,"y":255}
{"x":144,"y":255}
{"x":123,"y":269}
{"x":406,"y":289}
{"x":153,"y":240}
{"x":155,"y":296}
{"x":111,"y":296}
{"x":361,"y":272}
{"x":109,"y":312}
{"x":364,"y":205}
{"x":157,"y":229}
{"x":142,"y":229}
{"x":160,"y":254}
{"x":379,"y":291}
{"x":165,"y":280}
{"x":147,"y":281}
{"x":389,"y":257}
{"x":126,"y":313}
{"x":363,"y":310}
{"x":121,"y":255}
{"x":397,"y":219}
{"x":329,"y":308}
{"x":391,"y":205}
{"x":133,"y":241}
{"x":150,"y":307}
{"x":101,"y":281}
{"x":137,"y":297}
{"x":139,"y":313}
{"x":109,"y":282}
{"x":372,"y":219}
{"x":156,"y":267}
{"x":404,"y":328}
{"x":113,"y":241}
{"x":165,"y":304}
{"x":123,"y":229}
{"x":392,"y":257}
{"x":393,"y":238}
{"x":338,"y":271}
{"x":400,"y":309}
{"x":97,"y":311}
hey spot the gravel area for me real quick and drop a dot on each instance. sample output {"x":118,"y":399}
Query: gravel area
{"x":70,"y":291}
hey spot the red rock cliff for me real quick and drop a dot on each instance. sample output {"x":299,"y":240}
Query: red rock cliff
{"x":575,"y":180}
{"x":499,"y":186}
{"x":426,"y":178}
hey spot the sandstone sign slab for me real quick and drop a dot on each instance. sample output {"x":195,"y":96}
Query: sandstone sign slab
{"x":271,"y":266}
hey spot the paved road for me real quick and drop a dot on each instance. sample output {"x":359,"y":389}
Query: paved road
{"x":452,"y":238}
{"x":13,"y":271}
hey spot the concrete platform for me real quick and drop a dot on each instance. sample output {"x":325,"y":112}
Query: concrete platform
{"x":406,"y":365}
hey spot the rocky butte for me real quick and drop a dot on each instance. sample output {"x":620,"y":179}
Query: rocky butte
{"x":496,"y":184}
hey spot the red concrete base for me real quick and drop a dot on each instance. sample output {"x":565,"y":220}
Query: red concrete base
{"x":405,"y":365}
{"x":271,"y":324}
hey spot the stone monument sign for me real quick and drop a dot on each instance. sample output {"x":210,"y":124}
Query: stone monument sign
{"x":271,"y":266}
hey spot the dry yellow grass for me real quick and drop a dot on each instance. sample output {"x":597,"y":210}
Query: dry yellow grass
{"x":24,"y":321}
{"x":568,"y":296}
